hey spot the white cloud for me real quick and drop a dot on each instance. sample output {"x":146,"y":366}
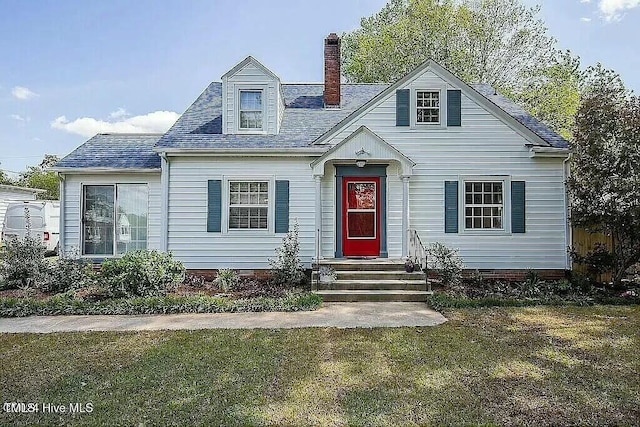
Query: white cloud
{"x":613,"y":10}
{"x":585,"y":1}
{"x":118,"y":114}
{"x":585,"y":19}
{"x":23,"y":93}
{"x":19,"y":118}
{"x":155,"y":122}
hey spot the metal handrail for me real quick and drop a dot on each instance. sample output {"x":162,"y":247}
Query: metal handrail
{"x":417,"y":253}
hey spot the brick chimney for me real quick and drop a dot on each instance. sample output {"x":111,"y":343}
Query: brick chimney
{"x":332,"y":71}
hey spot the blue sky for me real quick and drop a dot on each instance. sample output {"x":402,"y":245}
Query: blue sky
{"x":69,"y":69}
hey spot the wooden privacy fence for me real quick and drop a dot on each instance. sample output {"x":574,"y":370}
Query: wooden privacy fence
{"x":583,"y":242}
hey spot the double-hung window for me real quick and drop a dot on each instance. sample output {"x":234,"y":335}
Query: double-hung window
{"x":114,"y":218}
{"x":428,"y":106}
{"x":251,"y":106}
{"x":248,"y":205}
{"x":484,"y":205}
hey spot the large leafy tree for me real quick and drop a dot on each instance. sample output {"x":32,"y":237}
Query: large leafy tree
{"x":500,"y":42}
{"x":605,"y":180}
{"x":41,"y":177}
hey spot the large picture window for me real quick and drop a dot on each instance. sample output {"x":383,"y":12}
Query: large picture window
{"x":248,"y":204}
{"x":251,"y":109}
{"x":115,"y":218}
{"x":484,"y":205}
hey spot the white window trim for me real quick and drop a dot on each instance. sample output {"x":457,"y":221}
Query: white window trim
{"x":115,"y":223}
{"x":506,"y":209}
{"x":270,"y":205}
{"x":442,"y":124}
{"x":250,"y":88}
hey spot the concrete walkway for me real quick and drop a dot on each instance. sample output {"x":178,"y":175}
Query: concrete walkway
{"x":330,"y":315}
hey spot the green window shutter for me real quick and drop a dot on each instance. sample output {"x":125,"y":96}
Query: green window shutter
{"x":518,"y":207}
{"x":451,"y":206}
{"x":282,"y":206}
{"x":214,"y":205}
{"x":402,"y":107}
{"x":454,"y":109}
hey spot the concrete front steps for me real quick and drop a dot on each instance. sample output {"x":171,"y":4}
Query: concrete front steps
{"x":376,"y":279}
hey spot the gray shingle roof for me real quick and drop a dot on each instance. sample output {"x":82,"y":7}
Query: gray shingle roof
{"x":304,"y":119}
{"x":120,"y":151}
{"x":518,"y":113}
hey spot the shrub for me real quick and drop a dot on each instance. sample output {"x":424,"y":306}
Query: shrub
{"x":194,"y":281}
{"x":286,"y":268}
{"x":69,"y":272}
{"x":227,"y":279}
{"x":142,"y":273}
{"x":22,"y":263}
{"x":446,"y":262}
{"x":66,"y":304}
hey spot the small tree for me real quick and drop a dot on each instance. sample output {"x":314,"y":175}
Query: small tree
{"x":604,"y":186}
{"x":286,"y":267}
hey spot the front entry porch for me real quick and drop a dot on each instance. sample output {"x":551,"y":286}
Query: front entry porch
{"x":362,"y":199}
{"x":374,"y":279}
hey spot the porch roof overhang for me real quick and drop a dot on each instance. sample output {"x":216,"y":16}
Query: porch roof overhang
{"x":363,"y":144}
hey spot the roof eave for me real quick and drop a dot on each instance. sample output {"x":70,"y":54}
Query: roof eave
{"x":70,"y":170}
{"x":298,"y":151}
{"x":549,"y":152}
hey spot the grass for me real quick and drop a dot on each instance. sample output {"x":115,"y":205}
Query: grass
{"x":500,"y":366}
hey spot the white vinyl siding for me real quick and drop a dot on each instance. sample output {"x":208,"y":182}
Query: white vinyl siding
{"x":483,"y":145}
{"x":188,"y":238}
{"x":251,"y":78}
{"x":72,"y":187}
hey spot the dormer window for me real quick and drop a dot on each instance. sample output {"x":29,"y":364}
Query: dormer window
{"x":428,"y":106}
{"x":251,"y":108}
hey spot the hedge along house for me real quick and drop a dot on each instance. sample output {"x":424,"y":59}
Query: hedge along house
{"x":362,"y":168}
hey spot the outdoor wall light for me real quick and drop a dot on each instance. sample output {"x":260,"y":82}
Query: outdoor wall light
{"x":360,"y":163}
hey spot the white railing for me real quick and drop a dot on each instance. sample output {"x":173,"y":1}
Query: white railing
{"x":417,"y":253}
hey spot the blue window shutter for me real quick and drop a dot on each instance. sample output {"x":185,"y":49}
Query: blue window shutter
{"x":402,"y":107}
{"x":518,"y":207}
{"x":451,"y":206}
{"x":454,"y":109}
{"x":214,"y":205}
{"x":282,"y":206}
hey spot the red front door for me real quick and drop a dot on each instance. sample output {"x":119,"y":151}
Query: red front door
{"x":361,"y":216}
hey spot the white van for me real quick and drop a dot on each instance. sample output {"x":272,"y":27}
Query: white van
{"x":45,"y":222}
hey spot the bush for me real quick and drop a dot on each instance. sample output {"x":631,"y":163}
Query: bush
{"x":69,"y":272}
{"x":142,"y":273}
{"x":22,"y":263}
{"x":286,"y":268}
{"x":227,"y":279}
{"x":66,"y":304}
{"x":446,"y":262}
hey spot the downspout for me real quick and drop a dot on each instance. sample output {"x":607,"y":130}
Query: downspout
{"x":164,"y":219}
{"x":568,"y":231}
{"x":61,"y":245}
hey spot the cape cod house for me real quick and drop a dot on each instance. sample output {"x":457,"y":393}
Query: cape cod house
{"x":362,"y":168}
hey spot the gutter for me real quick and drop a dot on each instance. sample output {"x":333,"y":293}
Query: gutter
{"x":105,"y":170}
{"x":257,"y":152}
{"x":164,"y":219}
{"x":61,"y":244}
{"x":549,"y":152}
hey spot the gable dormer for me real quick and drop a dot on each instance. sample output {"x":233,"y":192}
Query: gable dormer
{"x":252,"y":99}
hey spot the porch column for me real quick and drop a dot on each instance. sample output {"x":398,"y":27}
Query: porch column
{"x":405,"y":216}
{"x":318,"y":227}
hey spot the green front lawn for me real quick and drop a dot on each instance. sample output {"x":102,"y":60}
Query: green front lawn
{"x":517,"y":366}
